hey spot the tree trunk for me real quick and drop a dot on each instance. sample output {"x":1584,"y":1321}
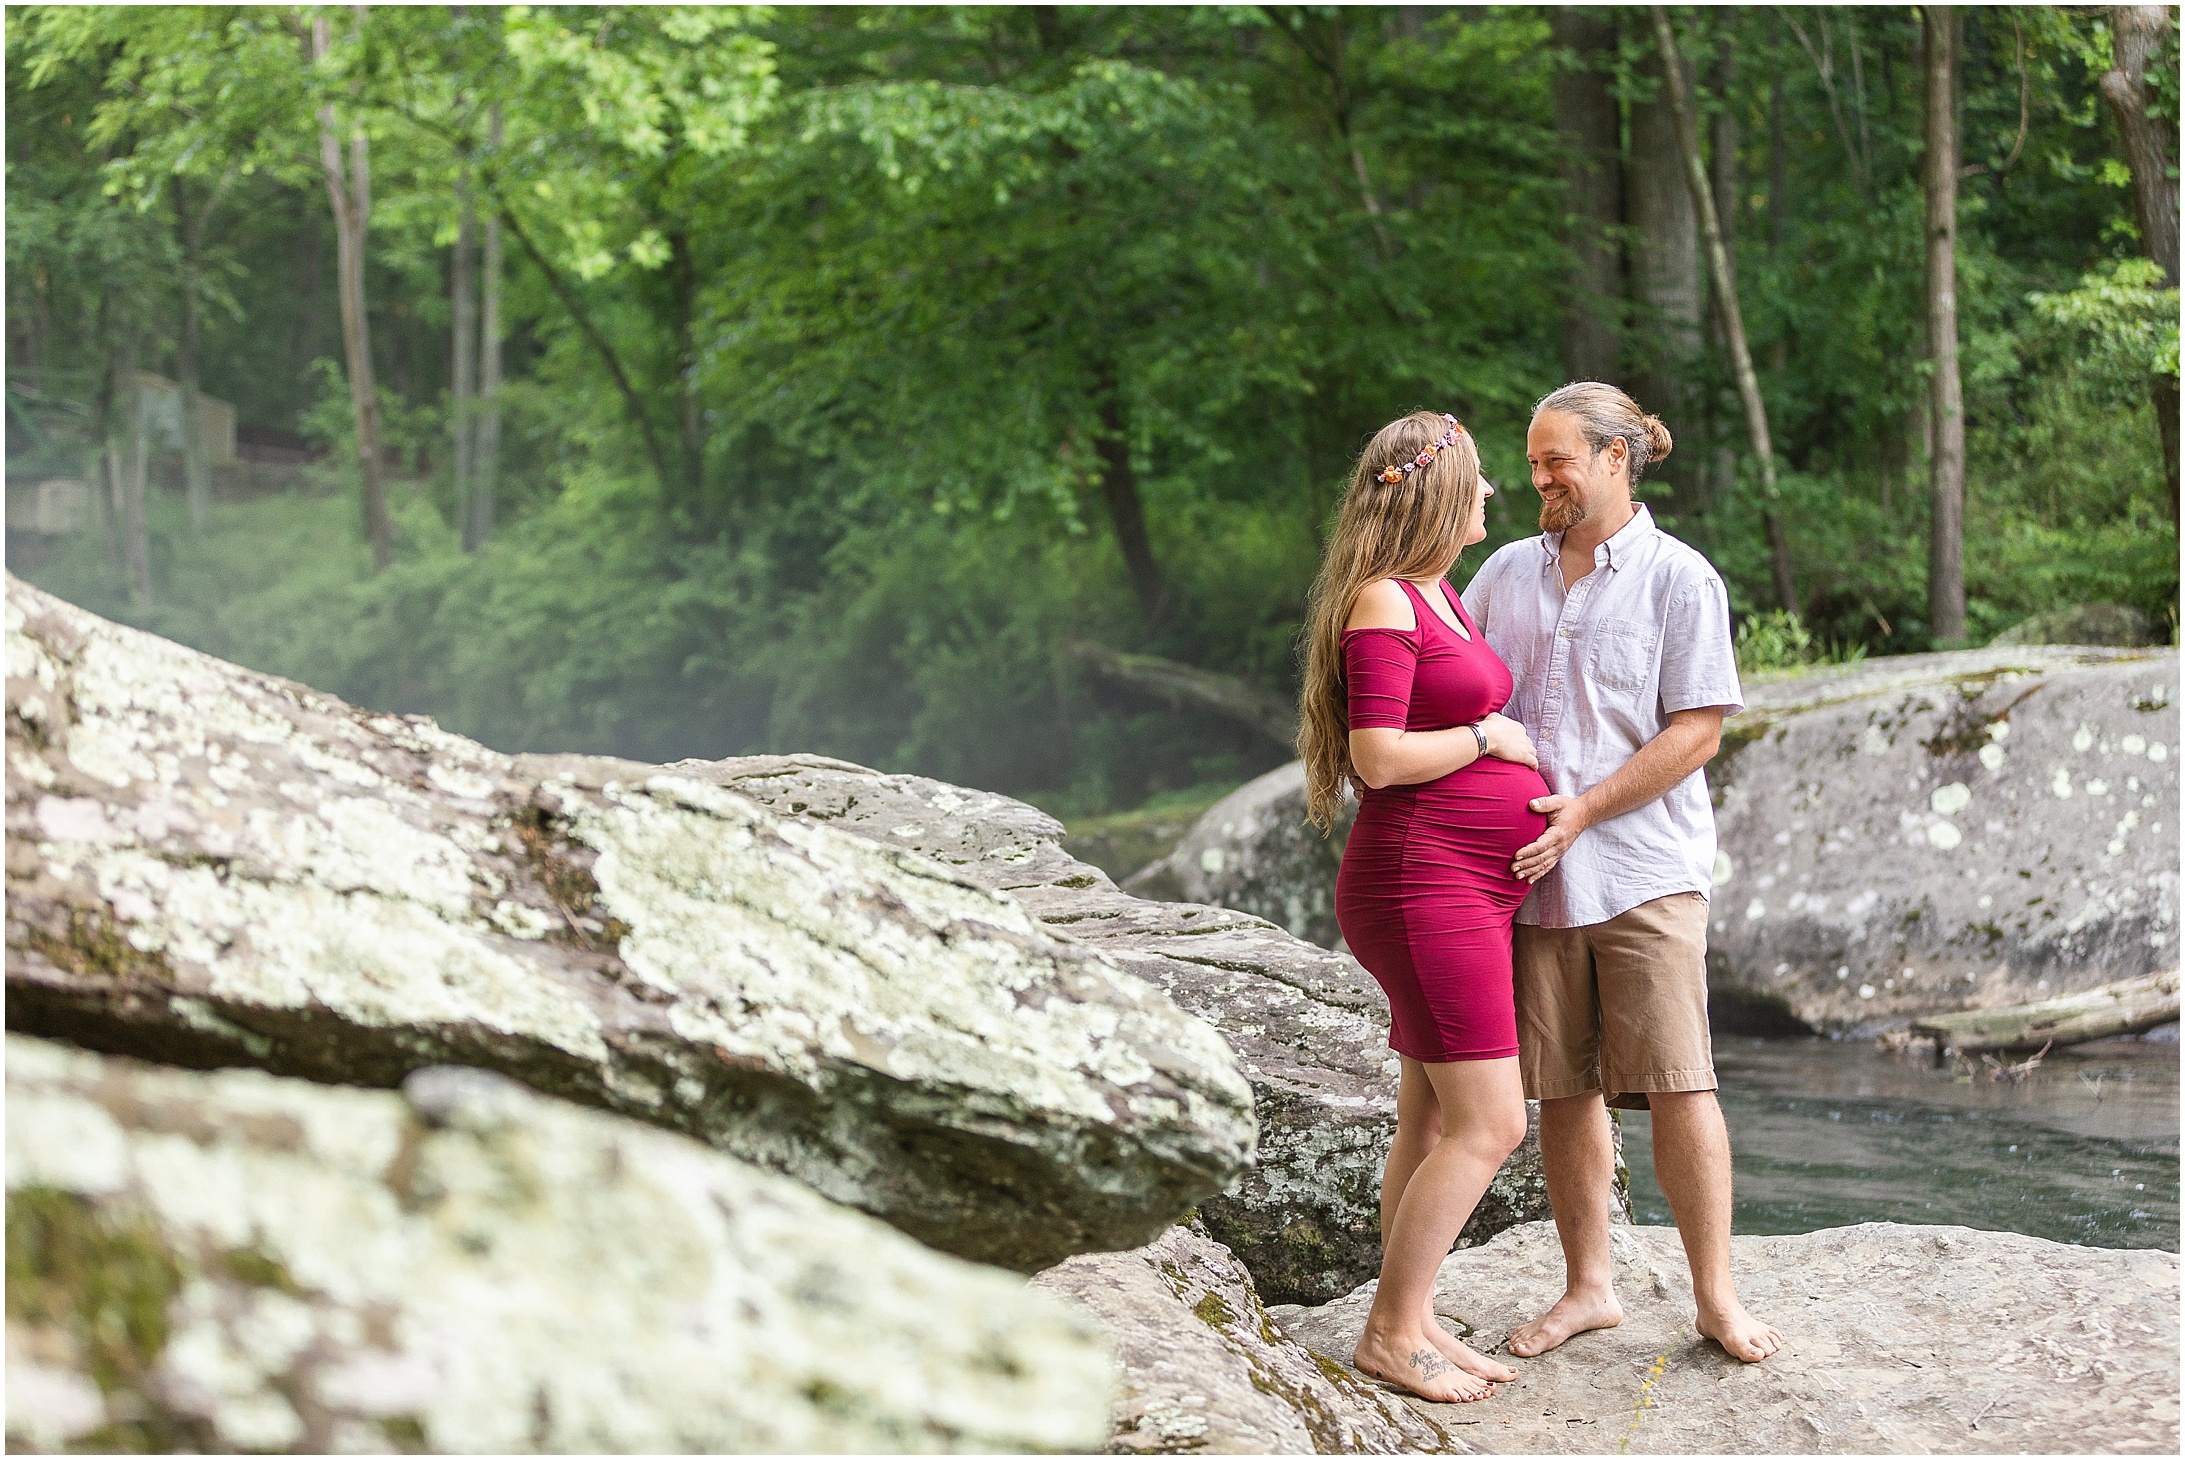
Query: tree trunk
{"x":2128,"y":1006}
{"x":2136,"y":35}
{"x":1722,"y":146}
{"x":478,"y":527}
{"x":690,"y":409}
{"x":350,"y":192}
{"x":1126,"y":509}
{"x":125,"y":470}
{"x":1946,"y":413}
{"x":196,"y":475}
{"x":139,"y":539}
{"x":102,"y":457}
{"x":1665,"y":262}
{"x":1723,"y":138}
{"x":1686,"y":130}
{"x":1778,"y":194}
{"x":1590,"y":133}
{"x":462,"y":412}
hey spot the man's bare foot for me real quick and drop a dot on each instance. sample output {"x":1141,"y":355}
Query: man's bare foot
{"x":1412,"y":1361}
{"x":1462,"y":1355}
{"x":1573,"y":1313}
{"x":1741,"y":1335}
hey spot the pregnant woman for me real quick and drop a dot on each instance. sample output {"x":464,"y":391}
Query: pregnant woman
{"x":1402,"y":693}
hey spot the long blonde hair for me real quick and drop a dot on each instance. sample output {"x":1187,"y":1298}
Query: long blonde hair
{"x":1412,"y":528}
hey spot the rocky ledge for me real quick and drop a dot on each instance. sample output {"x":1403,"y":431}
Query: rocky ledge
{"x":209,"y":866}
{"x":1901,"y":1340}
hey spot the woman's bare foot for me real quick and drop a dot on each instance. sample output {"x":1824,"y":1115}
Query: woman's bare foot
{"x":1413,"y":1361}
{"x":1573,"y":1313}
{"x":1741,"y":1335}
{"x":1462,"y":1355}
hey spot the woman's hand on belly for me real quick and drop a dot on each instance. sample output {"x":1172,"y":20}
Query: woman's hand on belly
{"x":1507,"y":740}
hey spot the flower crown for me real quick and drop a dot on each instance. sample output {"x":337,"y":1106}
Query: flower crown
{"x":1395,"y":474}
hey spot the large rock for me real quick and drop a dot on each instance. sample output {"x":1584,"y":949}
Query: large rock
{"x":1947,"y":831}
{"x":211,"y":866}
{"x":2084,"y":623}
{"x":1255,"y":851}
{"x":1900,"y":837}
{"x":1203,"y":1370}
{"x":1900,"y":1340}
{"x":1309,"y":1025}
{"x":233,"y":1261}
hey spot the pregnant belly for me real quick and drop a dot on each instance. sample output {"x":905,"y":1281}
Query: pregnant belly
{"x":1476,"y":819}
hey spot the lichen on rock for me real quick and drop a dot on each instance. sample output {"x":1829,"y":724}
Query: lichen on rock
{"x":1948,"y":831}
{"x":210,"y":866}
{"x":234,"y":1261}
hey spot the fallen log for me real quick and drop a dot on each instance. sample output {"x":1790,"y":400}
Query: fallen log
{"x":1186,"y":686}
{"x":2129,"y":1006}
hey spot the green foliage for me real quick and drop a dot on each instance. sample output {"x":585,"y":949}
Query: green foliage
{"x":842,"y":344}
{"x":2125,"y":320}
{"x":1779,"y":639}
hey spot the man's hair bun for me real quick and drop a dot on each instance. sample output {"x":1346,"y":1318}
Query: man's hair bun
{"x":1606,"y":414}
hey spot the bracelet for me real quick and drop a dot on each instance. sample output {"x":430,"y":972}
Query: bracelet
{"x":1479,"y":734}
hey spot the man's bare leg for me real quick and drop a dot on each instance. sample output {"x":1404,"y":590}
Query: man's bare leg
{"x":1483,"y":1119}
{"x":1692,"y":1163}
{"x":1580,"y":1160}
{"x":1418,"y":1131}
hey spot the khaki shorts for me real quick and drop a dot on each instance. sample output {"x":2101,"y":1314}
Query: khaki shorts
{"x":1619,"y":1007}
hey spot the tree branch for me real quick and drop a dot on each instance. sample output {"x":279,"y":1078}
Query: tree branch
{"x":1828,"y":87}
{"x":632,"y":402}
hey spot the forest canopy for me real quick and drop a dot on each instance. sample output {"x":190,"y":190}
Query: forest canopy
{"x":886,"y":383}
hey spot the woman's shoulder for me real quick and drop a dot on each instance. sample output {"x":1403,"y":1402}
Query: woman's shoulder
{"x":1382,"y":604}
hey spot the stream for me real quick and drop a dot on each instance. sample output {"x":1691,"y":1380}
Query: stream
{"x":2083,"y":1148}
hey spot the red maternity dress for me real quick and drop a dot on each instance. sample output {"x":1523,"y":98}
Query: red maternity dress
{"x":1425,"y":896}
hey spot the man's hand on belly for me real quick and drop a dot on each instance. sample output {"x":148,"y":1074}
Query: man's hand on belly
{"x":1567,"y":816}
{"x":1686,"y":744}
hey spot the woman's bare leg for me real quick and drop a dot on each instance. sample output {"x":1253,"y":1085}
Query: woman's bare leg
{"x":1482,"y":1113}
{"x":1418,"y":1131}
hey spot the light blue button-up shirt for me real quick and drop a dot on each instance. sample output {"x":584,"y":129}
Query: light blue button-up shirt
{"x":1599,"y":670}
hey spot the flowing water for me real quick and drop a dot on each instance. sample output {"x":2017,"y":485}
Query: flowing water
{"x":2083,"y":1148}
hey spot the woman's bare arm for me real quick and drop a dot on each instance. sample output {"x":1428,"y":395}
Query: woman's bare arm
{"x":1385,"y":756}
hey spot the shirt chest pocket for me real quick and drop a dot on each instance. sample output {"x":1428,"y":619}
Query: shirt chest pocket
{"x":1624,"y":656}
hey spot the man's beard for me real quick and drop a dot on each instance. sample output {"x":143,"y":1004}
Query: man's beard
{"x":1562,"y":516}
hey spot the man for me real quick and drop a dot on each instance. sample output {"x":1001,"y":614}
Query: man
{"x":1619,"y":638}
